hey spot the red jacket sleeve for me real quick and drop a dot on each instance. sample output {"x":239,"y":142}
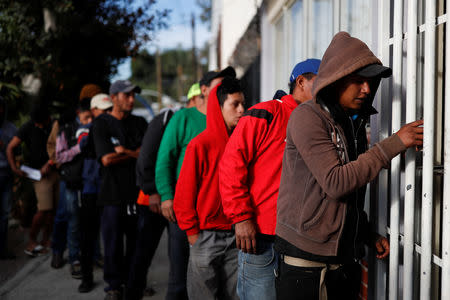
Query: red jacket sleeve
{"x":234,"y":181}
{"x":186,"y":191}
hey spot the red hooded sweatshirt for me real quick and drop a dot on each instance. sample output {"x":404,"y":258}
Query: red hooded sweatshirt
{"x":197,"y":203}
{"x":250,"y":170}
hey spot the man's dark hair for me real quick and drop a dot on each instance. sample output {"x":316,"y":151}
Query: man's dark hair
{"x":84,"y":105}
{"x":40,"y":114}
{"x":292,"y":84}
{"x":230,"y":85}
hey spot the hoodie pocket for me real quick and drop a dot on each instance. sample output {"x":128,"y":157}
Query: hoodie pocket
{"x":318,"y":215}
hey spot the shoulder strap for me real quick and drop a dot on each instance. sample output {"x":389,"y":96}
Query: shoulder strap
{"x":167,"y":115}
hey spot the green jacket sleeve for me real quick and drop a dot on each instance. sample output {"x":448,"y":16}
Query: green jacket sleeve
{"x":168,"y":155}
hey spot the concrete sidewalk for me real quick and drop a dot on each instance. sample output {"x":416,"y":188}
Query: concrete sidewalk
{"x":37,"y":280}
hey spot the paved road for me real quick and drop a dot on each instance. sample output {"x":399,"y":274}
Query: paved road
{"x":33,"y":278}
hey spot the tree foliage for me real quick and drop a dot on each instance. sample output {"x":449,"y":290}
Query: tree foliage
{"x":143,"y":70}
{"x":205,"y":11}
{"x":90,"y":39}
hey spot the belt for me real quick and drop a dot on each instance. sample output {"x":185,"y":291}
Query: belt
{"x":303,"y":263}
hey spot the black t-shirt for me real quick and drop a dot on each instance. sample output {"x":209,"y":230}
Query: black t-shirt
{"x":35,"y":139}
{"x":118,"y":182}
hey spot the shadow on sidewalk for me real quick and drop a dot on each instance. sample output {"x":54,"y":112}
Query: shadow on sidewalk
{"x":33,"y":278}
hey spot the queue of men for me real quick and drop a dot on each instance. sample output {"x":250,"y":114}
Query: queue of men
{"x":259,"y":204}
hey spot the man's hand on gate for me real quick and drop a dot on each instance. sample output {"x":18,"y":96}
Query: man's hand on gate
{"x":167,"y":210}
{"x":246,"y":236}
{"x":382,"y":247}
{"x":154,"y":203}
{"x":411,"y":134}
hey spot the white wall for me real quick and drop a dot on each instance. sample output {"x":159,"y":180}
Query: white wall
{"x":236,"y":16}
{"x":216,"y":16}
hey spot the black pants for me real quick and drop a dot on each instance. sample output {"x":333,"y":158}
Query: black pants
{"x":179,"y":259}
{"x":150,"y":227}
{"x":116,"y":225}
{"x":303,"y":283}
{"x":89,"y":230}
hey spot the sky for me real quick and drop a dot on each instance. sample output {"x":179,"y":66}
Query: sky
{"x":178,"y":32}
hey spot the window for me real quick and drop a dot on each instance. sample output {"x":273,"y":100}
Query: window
{"x":280,"y":57}
{"x":297,"y":26}
{"x":322,"y":27}
{"x":354,"y":21}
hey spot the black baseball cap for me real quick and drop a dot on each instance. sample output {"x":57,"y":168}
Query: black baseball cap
{"x":123,"y":86}
{"x":374,"y":70}
{"x":211,"y":75}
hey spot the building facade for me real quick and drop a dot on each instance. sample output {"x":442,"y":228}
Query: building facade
{"x":410,"y":202}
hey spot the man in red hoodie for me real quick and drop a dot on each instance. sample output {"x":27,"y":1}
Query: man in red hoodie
{"x":249,"y":174}
{"x":197,"y":204}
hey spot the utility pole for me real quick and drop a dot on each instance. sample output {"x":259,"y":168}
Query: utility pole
{"x":159,"y":78}
{"x":180,"y":82}
{"x":194,"y":55}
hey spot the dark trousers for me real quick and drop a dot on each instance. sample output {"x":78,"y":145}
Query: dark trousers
{"x":303,"y":283}
{"x":5,"y":208}
{"x":150,"y":227}
{"x":89,"y":227}
{"x":179,"y":259}
{"x":117,"y":224}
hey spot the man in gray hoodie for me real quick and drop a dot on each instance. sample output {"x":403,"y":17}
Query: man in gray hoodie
{"x":321,"y":225}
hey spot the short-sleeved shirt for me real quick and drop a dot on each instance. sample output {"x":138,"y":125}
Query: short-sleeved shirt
{"x":118,"y":181}
{"x":35,"y":139}
{"x":7,"y":132}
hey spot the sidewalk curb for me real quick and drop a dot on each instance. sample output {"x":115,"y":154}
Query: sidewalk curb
{"x":20,"y":276}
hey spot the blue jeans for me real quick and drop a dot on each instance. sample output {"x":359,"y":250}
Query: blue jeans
{"x":256,"y":277}
{"x":5,"y":208}
{"x":66,"y":224}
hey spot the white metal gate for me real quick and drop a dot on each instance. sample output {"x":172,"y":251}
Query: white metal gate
{"x":412,"y":39}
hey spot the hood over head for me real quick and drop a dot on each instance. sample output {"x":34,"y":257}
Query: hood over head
{"x":344,"y":56}
{"x":214,"y":118}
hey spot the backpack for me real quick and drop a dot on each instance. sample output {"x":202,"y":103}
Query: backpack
{"x":71,"y":172}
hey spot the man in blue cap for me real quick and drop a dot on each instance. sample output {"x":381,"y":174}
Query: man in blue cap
{"x":249,"y":177}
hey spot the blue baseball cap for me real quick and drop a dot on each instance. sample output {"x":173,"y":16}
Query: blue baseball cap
{"x":123,"y":86}
{"x":311,"y":65}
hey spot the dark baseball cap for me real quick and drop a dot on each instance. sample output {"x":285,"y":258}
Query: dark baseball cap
{"x":123,"y":86}
{"x":211,"y":75}
{"x":374,"y":70}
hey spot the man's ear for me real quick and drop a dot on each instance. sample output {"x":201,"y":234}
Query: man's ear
{"x":203,"y":89}
{"x":114,"y":97}
{"x":299,"y":81}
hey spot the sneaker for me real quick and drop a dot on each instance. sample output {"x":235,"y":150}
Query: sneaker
{"x":75,"y":269}
{"x":57,"y":261}
{"x":34,"y":251}
{"x":86,"y":286}
{"x":113,"y":295}
{"x":31,"y":253}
